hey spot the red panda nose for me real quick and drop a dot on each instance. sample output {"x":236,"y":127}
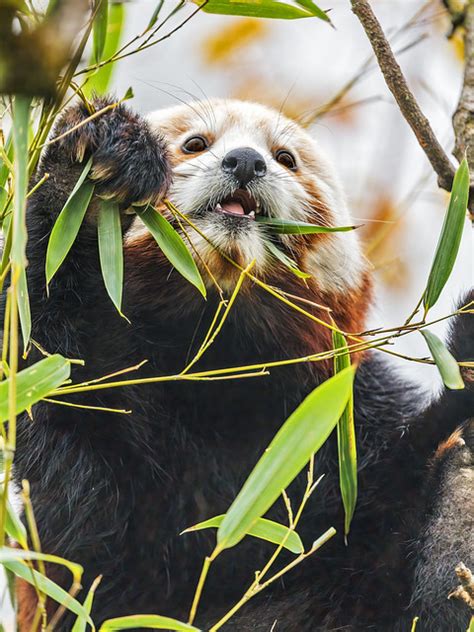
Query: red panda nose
{"x":245,"y":164}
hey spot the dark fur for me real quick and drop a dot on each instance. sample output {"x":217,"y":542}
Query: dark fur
{"x":113,"y":492}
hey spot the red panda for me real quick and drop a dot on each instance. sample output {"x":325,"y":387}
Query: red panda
{"x":113,"y":492}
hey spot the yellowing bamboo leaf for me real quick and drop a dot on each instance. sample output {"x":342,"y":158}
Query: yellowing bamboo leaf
{"x":263,"y":529}
{"x":152,"y":621}
{"x":8,"y":554}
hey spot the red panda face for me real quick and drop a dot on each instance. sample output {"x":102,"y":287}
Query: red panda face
{"x":233,"y":161}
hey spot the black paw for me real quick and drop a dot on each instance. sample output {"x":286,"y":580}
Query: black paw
{"x":130,"y":161}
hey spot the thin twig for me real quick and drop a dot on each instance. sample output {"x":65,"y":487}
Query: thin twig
{"x":463,"y":119}
{"x":398,"y":86}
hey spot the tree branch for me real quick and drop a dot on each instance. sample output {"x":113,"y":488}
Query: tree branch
{"x":407,"y":103}
{"x":463,"y":119}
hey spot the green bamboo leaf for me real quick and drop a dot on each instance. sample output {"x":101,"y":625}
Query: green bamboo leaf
{"x":80,"y":624}
{"x":24,"y":309}
{"x":447,"y":365}
{"x":34,"y":383}
{"x":3,"y":199}
{"x":471,"y":625}
{"x":11,"y":585}
{"x":15,"y":528}
{"x":155,"y":15}
{"x":99,"y":80}
{"x":289,"y":227}
{"x":49,"y":588}
{"x":172,"y":245}
{"x":68,"y":222}
{"x":450,"y":237}
{"x":255,"y":9}
{"x":303,"y":433}
{"x":7,"y":246}
{"x":313,"y":9}
{"x":4,"y":170}
{"x":263,"y":529}
{"x":152,"y":621}
{"x":346,"y":439}
{"x":287,"y":261}
{"x":8,"y":554}
{"x":99,"y":30}
{"x":21,"y":113}
{"x":109,"y":230}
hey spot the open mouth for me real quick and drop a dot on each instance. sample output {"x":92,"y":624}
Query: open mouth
{"x":240,"y":204}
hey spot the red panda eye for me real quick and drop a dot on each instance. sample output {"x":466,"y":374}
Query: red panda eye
{"x":286,"y":159}
{"x":195,"y":144}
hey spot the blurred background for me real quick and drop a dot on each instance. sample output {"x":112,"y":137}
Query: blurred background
{"x":327,"y":78}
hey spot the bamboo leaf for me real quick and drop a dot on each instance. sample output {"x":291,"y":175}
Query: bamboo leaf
{"x":172,"y":245}
{"x":34,"y":383}
{"x":3,"y":199}
{"x":152,"y":621}
{"x":8,"y":554}
{"x":99,"y":80}
{"x":281,"y":226}
{"x":303,"y":433}
{"x":287,"y":261}
{"x":447,"y":365}
{"x":450,"y":237}
{"x":48,"y":587}
{"x":68,"y":223}
{"x":263,"y":529}
{"x":15,"y":528}
{"x":346,"y":439}
{"x":4,"y":170}
{"x":155,"y":15}
{"x":21,"y":113}
{"x":109,"y":230}
{"x":256,"y":9}
{"x":99,"y":30}
{"x":80,"y":623}
{"x":24,"y":309}
{"x":7,"y":245}
{"x":313,"y":9}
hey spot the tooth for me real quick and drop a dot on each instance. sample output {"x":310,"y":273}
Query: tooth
{"x":218,"y":207}
{"x":252,"y":214}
